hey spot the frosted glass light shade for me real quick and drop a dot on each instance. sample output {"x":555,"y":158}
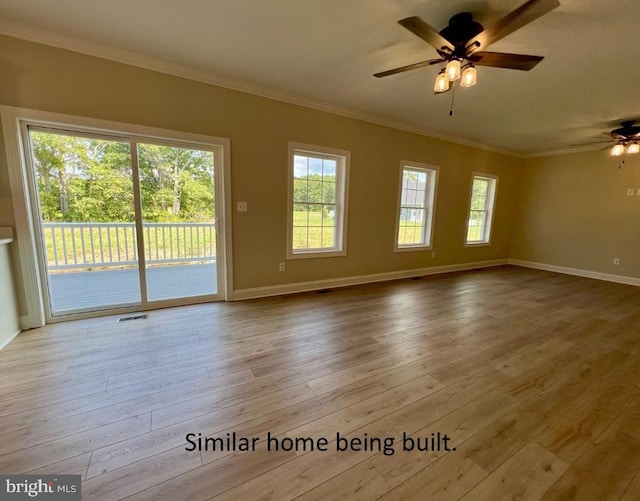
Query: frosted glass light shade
{"x":442,"y":83}
{"x":468,"y":78}
{"x":453,"y":70}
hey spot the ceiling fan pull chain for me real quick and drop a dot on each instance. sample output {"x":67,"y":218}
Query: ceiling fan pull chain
{"x":453,"y":97}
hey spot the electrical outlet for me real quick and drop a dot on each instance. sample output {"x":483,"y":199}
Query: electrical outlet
{"x":281,"y":267}
{"x":498,"y":248}
{"x":242,"y":206}
{"x":630,"y":192}
{"x":616,"y":261}
{"x":638,"y":192}
{"x":433,"y":253}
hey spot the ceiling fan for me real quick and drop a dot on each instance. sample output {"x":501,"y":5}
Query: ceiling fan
{"x":461,"y":44}
{"x":626,"y":139}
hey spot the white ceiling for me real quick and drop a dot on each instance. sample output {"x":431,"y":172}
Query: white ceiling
{"x":324,"y":52}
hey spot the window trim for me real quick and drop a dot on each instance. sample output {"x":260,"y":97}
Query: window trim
{"x":492,"y":198}
{"x":433,"y":173}
{"x":343,"y":162}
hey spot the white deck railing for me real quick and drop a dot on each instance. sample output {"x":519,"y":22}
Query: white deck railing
{"x":107,"y":245}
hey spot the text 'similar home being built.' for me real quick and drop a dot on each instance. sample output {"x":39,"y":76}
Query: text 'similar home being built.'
{"x":319,"y":250}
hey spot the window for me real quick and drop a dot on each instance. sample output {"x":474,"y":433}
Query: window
{"x":416,"y":206}
{"x":483,"y":195}
{"x":317,"y":208}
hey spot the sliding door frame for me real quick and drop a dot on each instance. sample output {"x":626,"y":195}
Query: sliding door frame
{"x":15,"y":123}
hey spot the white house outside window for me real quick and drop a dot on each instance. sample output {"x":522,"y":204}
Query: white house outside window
{"x":416,"y":206}
{"x":483,"y":196}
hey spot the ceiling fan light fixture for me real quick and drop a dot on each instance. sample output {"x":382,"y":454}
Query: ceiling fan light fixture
{"x":453,"y":70}
{"x":617,"y":150}
{"x":442,"y":82}
{"x":633,"y":148}
{"x":468,"y":78}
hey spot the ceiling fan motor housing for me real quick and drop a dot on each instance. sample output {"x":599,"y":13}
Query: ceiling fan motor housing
{"x":627,"y":132}
{"x":461,"y":28}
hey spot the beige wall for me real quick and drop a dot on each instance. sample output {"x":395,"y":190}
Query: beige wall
{"x":573,"y":211}
{"x":45,"y":78}
{"x":8,"y":309}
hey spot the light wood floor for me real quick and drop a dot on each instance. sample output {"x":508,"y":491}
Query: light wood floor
{"x":534,"y":376}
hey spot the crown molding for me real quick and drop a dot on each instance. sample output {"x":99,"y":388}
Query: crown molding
{"x":24,"y":32}
{"x":563,"y":151}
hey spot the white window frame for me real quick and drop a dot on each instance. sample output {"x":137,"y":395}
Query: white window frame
{"x":489,"y":209}
{"x":429,"y":206}
{"x":343,"y":160}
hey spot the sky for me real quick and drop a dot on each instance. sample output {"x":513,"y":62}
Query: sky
{"x":305,"y":166}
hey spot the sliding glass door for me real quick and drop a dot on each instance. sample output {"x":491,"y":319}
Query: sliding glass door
{"x":124,"y":223}
{"x":86,"y":208}
{"x":177,"y":186}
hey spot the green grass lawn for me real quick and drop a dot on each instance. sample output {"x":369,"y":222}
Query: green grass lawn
{"x":313,"y":230}
{"x":475,"y":233}
{"x":409,"y":233}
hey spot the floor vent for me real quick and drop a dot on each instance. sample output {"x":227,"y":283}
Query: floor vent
{"x":324,"y":291}
{"x":416,"y":278}
{"x":132,"y":317}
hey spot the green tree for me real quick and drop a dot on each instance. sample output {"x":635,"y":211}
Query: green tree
{"x":82,"y":179}
{"x":313,"y":189}
{"x":89,"y":179}
{"x":176,"y":183}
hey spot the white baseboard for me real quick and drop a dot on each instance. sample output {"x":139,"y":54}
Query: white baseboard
{"x":608,"y":277}
{"x":8,"y":340}
{"x":279,"y":290}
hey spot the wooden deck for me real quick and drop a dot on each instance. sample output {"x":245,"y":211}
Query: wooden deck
{"x":535,"y":377}
{"x":103,"y":289}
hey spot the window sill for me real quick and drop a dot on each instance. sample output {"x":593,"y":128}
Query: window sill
{"x":477,"y":244}
{"x":315,"y":254}
{"x":413,"y":248}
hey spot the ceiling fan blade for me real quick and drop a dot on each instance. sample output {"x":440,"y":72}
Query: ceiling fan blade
{"x":421,"y":29}
{"x":593,"y":143}
{"x":525,"y":14}
{"x":409,"y":67}
{"x":503,"y":60}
